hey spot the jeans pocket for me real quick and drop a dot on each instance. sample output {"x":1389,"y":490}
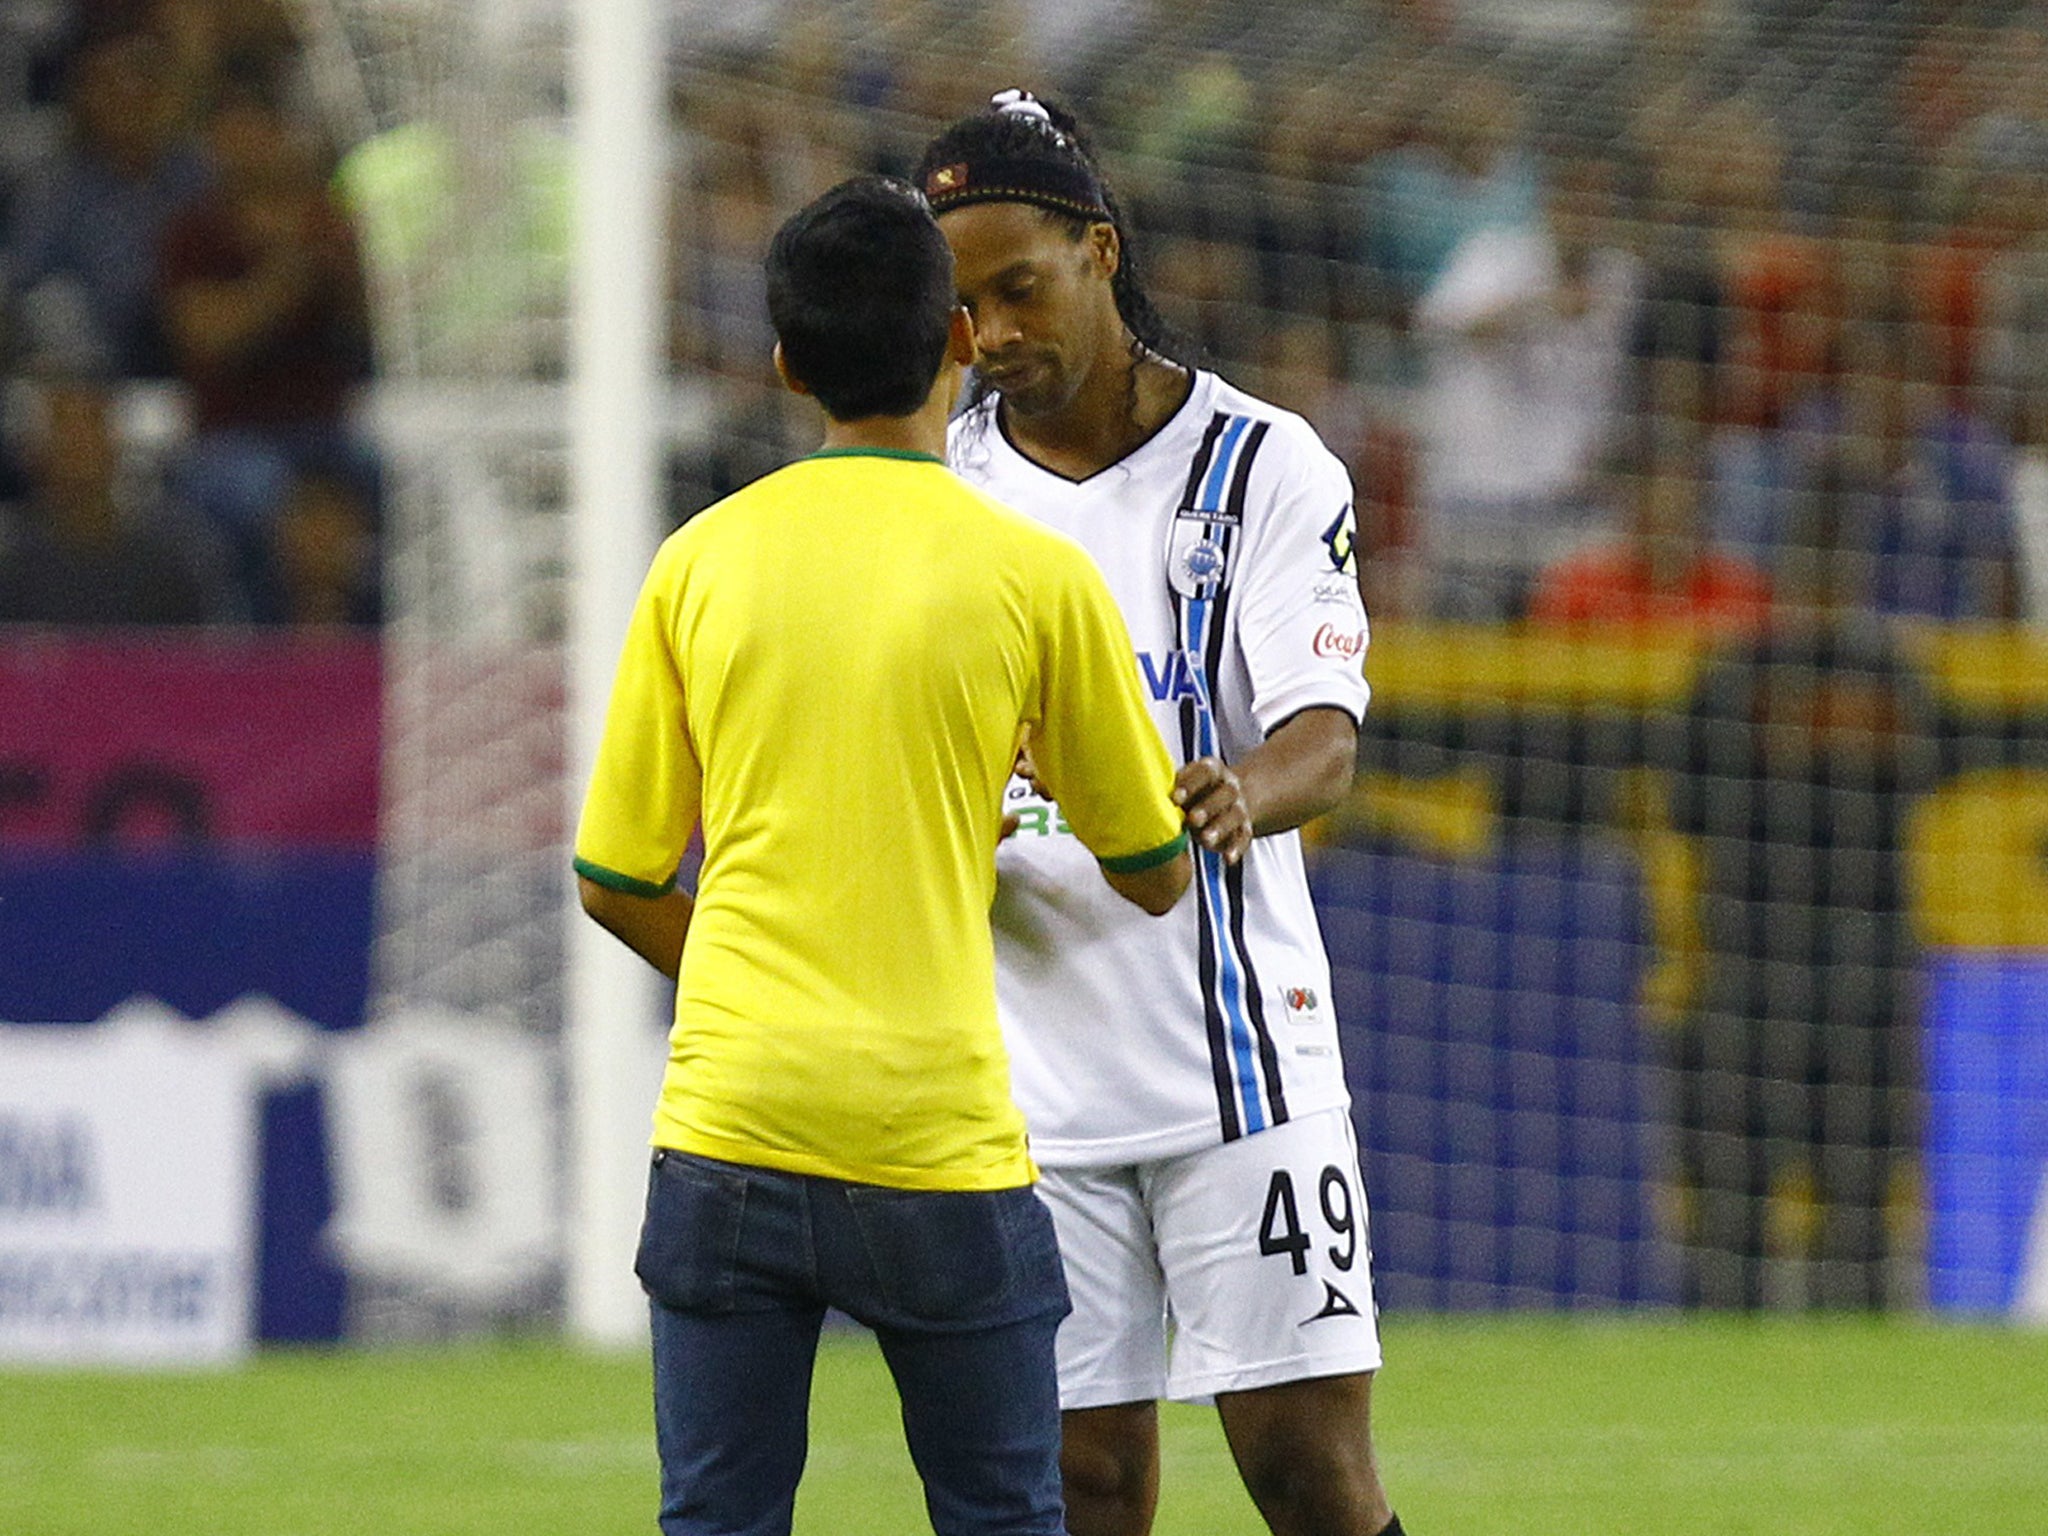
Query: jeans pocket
{"x":938,"y":1257}
{"x":690,"y":1238}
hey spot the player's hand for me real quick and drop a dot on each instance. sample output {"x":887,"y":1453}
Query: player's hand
{"x":1027,"y":770}
{"x":1212,"y":802}
{"x":1011,"y":822}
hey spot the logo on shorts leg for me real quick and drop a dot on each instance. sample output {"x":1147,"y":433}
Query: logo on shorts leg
{"x":1335,"y":1304}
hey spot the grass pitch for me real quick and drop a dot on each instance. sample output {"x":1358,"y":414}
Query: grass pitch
{"x":1520,"y":1426}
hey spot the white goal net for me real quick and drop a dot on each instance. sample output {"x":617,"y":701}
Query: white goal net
{"x":1687,"y":360}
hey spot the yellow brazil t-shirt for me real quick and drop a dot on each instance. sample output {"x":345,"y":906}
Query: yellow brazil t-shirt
{"x":832,"y":670}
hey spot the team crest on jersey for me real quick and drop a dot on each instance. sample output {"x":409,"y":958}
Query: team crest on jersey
{"x":1195,"y":557}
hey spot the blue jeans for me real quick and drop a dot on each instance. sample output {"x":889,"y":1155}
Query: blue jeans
{"x":963,"y":1291}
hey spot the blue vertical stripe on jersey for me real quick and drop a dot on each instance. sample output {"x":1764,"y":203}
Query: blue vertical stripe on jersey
{"x":1193,"y":724}
{"x":1230,"y":981}
{"x":1241,"y":1046}
{"x":1219,"y":467}
{"x":1254,"y":994}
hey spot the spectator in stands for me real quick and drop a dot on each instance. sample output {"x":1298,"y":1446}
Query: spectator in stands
{"x":263,"y":295}
{"x":2029,"y":483}
{"x":80,"y":550}
{"x":1300,"y":367}
{"x":1468,"y":170}
{"x":1309,"y":143}
{"x":1206,"y":288}
{"x":1662,"y":572}
{"x":1718,"y":194}
{"x":1794,"y":768}
{"x":725,"y":213}
{"x":83,"y":250}
{"x":1922,"y":487}
{"x":2009,"y":361}
{"x":212,"y":47}
{"x":1526,"y":336}
{"x":1981,"y":280}
{"x":326,"y":554}
{"x":1664,"y":567}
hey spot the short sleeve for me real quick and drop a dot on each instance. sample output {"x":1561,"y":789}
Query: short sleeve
{"x":1096,"y":749}
{"x":1301,"y":622}
{"x":646,"y":786}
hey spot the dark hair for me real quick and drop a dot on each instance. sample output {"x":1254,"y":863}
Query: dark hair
{"x":1047,"y":163}
{"x":860,"y":291}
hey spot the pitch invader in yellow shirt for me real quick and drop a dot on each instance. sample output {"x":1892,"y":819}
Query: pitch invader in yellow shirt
{"x":831,"y":671}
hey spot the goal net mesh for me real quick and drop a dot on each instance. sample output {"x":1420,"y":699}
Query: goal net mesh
{"x":1686,"y":358}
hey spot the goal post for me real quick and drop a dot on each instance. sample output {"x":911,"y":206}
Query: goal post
{"x":616,"y":366}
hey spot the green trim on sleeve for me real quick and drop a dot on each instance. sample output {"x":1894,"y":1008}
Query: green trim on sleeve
{"x":612,"y":880}
{"x":1137,"y":863}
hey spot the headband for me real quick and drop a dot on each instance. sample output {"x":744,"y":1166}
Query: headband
{"x":1066,"y":184}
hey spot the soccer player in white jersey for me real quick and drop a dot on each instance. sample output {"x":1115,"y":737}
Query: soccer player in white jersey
{"x":1181,"y":1079}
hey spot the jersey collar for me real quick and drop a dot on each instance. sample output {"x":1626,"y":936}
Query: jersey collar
{"x":876,"y":453}
{"x":1198,"y":387}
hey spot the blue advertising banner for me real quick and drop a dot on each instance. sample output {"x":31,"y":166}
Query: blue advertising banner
{"x":1987,"y":1133}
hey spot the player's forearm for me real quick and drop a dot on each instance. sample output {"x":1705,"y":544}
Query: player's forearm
{"x":653,"y":927}
{"x":1304,"y":769}
{"x":1156,"y":890}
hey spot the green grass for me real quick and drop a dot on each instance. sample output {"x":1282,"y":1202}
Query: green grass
{"x":1519,"y":1426}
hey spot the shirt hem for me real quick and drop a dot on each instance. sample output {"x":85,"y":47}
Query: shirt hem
{"x":1009,"y":1174}
{"x":1121,"y":1151}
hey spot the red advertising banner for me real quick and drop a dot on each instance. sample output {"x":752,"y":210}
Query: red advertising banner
{"x":265,"y":739}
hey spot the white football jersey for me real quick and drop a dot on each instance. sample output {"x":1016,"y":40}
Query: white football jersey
{"x":1227,"y":540}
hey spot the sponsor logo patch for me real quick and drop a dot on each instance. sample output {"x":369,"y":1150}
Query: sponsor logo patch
{"x":1303,"y":1009}
{"x":1332,"y":641}
{"x":1341,"y":540}
{"x":1172,"y":677}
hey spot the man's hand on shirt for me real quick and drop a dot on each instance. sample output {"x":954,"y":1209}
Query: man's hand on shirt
{"x":1211,"y":798}
{"x":1026,"y":770}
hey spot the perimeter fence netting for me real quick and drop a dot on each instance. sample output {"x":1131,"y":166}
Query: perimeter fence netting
{"x":1689,"y":362}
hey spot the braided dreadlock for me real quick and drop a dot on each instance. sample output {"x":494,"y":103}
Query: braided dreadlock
{"x":1043,"y":159}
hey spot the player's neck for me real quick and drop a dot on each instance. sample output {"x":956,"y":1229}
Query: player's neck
{"x":922,"y":431}
{"x":1113,"y":412}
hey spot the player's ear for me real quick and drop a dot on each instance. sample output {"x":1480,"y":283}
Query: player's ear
{"x":790,"y":381}
{"x":960,"y":346}
{"x":1105,"y":248}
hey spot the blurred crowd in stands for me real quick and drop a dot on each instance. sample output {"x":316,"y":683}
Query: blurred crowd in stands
{"x":1619,"y":313}
{"x":185,"y":326}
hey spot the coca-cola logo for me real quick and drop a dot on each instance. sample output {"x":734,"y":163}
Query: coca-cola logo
{"x":1332,"y":641}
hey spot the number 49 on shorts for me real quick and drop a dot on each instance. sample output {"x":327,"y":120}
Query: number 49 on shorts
{"x":1280,"y":1228}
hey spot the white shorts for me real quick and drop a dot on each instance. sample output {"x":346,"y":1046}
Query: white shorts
{"x":1237,"y":1266}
